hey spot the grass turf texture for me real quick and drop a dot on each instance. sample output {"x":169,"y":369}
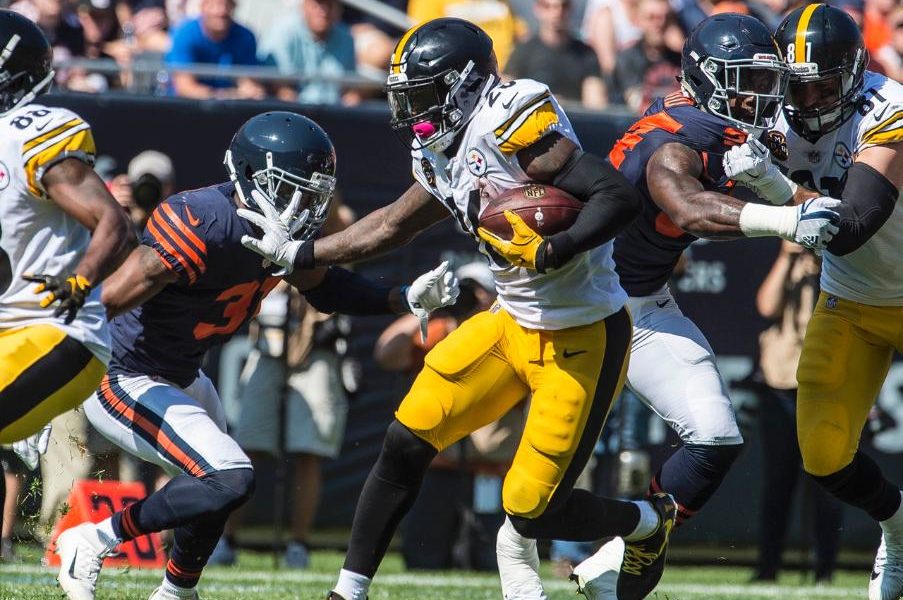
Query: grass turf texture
{"x":253,"y":579}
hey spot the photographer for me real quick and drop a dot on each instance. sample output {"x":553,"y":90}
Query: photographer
{"x":150,"y":179}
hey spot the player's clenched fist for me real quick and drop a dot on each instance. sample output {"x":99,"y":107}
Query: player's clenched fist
{"x":71,"y":292}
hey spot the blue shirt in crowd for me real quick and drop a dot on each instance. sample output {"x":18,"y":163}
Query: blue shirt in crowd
{"x":191,"y":45}
{"x":291,"y":47}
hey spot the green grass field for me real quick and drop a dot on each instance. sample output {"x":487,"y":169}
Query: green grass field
{"x":254,"y":579}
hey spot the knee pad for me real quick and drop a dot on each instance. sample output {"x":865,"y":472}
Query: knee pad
{"x":404,"y":457}
{"x":229,"y":489}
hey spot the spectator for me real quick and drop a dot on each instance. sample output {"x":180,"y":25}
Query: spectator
{"x":99,"y":25}
{"x":374,"y":39}
{"x":494,"y":16}
{"x":649,"y":68}
{"x":150,"y":179}
{"x":609,"y":26}
{"x":554,"y":56}
{"x":14,"y":472}
{"x":876,"y":29}
{"x":178,"y":11}
{"x":58,"y":22}
{"x":214,"y":38}
{"x":788,"y":296}
{"x":313,"y":43}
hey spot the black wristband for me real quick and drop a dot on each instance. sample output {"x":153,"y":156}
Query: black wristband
{"x":304,"y":259}
{"x":563,"y":250}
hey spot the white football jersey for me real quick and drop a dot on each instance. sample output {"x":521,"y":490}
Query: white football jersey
{"x":872,"y":274}
{"x":36,"y":235}
{"x":509,"y":117}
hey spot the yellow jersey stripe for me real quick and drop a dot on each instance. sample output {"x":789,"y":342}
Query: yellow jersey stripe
{"x":35,"y":142}
{"x":539,"y":100}
{"x":883,"y":124}
{"x":534,"y":126}
{"x":395,"y":61}
{"x":801,"y":28}
{"x":79,"y":144}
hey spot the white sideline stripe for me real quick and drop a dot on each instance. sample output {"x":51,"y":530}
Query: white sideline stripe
{"x":233,"y":579}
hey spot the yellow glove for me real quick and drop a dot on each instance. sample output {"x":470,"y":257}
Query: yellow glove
{"x":526,"y":248}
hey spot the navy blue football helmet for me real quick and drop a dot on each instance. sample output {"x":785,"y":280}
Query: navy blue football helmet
{"x":732,"y":67}
{"x":281,"y":154}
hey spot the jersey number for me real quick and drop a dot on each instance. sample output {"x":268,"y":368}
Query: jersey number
{"x":23,"y":121}
{"x":6,"y":269}
{"x":240,"y":301}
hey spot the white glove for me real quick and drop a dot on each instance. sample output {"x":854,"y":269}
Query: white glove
{"x":434,"y":289}
{"x":816,"y":223}
{"x":276,"y":244}
{"x":31,"y":448}
{"x":750,"y":165}
{"x":811,"y":224}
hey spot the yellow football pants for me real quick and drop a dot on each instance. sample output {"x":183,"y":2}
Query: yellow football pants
{"x":43,"y":373}
{"x":490,"y":364}
{"x":846,"y":355}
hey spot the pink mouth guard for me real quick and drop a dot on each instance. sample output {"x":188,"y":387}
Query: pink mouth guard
{"x":423,"y":129}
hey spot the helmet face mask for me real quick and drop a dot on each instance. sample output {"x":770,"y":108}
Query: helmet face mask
{"x":827,"y":61}
{"x":437,"y":76}
{"x":290,"y":162}
{"x":747,"y":92}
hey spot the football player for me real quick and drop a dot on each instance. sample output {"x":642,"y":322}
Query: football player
{"x":732,"y":80}
{"x":559,"y":329}
{"x":189,"y":287}
{"x":60,"y":229}
{"x":841,"y":134}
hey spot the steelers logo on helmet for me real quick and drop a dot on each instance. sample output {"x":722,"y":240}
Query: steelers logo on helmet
{"x":827,"y":58}
{"x":437,"y":75}
{"x":732,"y":68}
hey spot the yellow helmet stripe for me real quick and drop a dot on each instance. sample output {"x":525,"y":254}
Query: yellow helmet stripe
{"x":801,"y":28}
{"x":394,"y":63}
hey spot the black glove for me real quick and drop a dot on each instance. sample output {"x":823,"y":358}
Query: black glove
{"x":71,"y":292}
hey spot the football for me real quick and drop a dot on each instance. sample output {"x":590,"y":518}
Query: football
{"x":546,"y":209}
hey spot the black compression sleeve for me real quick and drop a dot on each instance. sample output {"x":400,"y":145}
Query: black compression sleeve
{"x":348,"y":293}
{"x":868,"y":201}
{"x":611,"y":203}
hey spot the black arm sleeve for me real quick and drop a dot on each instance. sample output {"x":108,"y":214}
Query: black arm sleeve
{"x":348,"y":293}
{"x":611,"y":203}
{"x":868,"y":202}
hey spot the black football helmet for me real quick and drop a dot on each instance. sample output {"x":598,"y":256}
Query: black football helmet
{"x":733,"y":69}
{"x":26,"y":61}
{"x":827,"y":60}
{"x":437,"y":74}
{"x":281,"y":154}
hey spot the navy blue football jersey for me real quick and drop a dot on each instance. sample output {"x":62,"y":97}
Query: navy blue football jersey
{"x":647,"y":250}
{"x":221,"y":283}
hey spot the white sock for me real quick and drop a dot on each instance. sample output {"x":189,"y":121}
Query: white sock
{"x":105,"y":527}
{"x":518,"y":565}
{"x":171,"y":589}
{"x":351,"y":585}
{"x":894,"y":525}
{"x":648,"y":522}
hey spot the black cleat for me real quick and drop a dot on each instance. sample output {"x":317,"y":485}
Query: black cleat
{"x":644,"y":560}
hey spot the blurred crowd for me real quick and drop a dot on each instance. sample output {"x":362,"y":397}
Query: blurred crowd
{"x":597,"y":53}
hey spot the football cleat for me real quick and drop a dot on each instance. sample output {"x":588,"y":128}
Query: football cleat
{"x":644,"y":560}
{"x":82,"y":550}
{"x":597,"y":576}
{"x":161,"y":594}
{"x":296,"y":556}
{"x":887,"y":575}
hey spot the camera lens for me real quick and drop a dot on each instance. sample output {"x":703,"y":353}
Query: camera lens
{"x":147,"y":191}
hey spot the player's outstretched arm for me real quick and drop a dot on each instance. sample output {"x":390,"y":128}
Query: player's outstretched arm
{"x":673,"y":174}
{"x":382,"y":230}
{"x":869,"y":196}
{"x":142,"y":275}
{"x":611,"y":201}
